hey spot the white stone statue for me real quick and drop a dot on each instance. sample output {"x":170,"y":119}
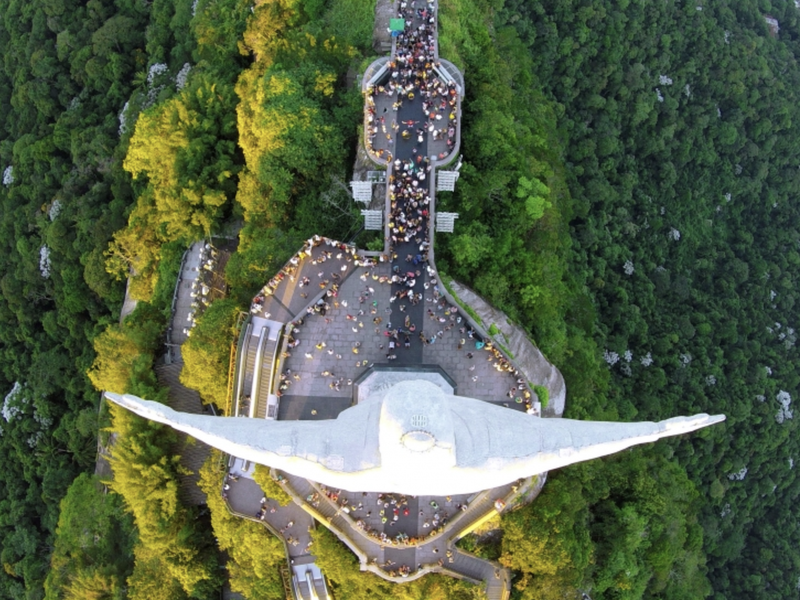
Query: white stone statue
{"x":415,"y":439}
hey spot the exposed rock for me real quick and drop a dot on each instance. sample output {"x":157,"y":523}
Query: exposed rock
{"x":528,"y":358}
{"x":381,"y":38}
{"x":361,"y":166}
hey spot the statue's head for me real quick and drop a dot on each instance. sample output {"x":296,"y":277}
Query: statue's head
{"x":416,"y":428}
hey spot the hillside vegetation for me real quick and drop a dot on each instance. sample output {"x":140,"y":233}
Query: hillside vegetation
{"x":627,"y":196}
{"x":680,"y":123}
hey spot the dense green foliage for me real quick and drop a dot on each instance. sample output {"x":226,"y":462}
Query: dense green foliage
{"x":579,"y":533}
{"x":255,"y":553}
{"x":66,"y":72}
{"x":625,"y":526}
{"x":627,"y":192}
{"x":186,"y":148}
{"x":125,"y":352}
{"x":69,"y":70}
{"x":295,"y":117}
{"x":675,"y":125}
{"x":681,"y":128}
{"x":514,"y":256}
{"x":175,"y":550}
{"x":206,"y":354}
{"x":94,"y":544}
{"x":271,"y":488}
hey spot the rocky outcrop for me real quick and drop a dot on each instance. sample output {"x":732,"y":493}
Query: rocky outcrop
{"x":527,"y":357}
{"x":381,"y":38}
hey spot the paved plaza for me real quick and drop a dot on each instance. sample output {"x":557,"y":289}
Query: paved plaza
{"x":351,"y":337}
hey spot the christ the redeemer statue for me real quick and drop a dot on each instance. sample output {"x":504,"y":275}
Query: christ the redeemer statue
{"x":414,"y":439}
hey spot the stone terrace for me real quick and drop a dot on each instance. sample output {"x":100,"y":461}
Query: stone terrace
{"x":476,"y":377}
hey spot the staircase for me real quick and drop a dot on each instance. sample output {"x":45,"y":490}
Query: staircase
{"x":498,"y":588}
{"x":470,"y":566}
{"x":477,"y":569}
{"x":302,"y":488}
{"x":302,"y":589}
{"x":321,"y":589}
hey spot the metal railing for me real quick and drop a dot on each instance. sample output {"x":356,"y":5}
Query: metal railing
{"x":254,"y":389}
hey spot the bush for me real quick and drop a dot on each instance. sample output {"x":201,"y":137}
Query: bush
{"x":272,"y":489}
{"x":206,"y":354}
{"x":93,"y":542}
{"x":174,"y":546}
{"x":543,"y":394}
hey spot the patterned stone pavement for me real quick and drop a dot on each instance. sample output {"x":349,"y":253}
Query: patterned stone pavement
{"x":352,"y":339}
{"x":475,"y":377}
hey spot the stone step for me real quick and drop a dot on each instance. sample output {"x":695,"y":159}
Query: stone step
{"x":471,"y":566}
{"x":495,"y":590}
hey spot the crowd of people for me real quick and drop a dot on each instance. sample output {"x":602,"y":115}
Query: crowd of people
{"x":206,"y":287}
{"x":336,"y":250}
{"x":409,"y":204}
{"x":414,"y":71}
{"x":365,"y":313}
{"x":387,"y":509}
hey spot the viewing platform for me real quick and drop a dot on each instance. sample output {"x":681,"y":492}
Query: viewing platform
{"x":335,"y":316}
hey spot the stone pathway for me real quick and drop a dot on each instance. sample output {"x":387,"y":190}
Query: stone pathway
{"x":244,"y":498}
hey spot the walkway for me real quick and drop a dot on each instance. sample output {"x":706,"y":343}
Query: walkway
{"x":415,"y":557}
{"x":244,"y":497}
{"x":348,"y":324}
{"x":192,"y":452}
{"x":182,"y":300}
{"x":292,"y":525}
{"x":412,"y":120}
{"x":342,"y":313}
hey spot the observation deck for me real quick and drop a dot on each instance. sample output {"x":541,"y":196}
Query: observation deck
{"x":335,"y":314}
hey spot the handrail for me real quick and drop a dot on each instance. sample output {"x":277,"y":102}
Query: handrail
{"x":437,"y":533}
{"x":271,"y":380}
{"x":229,"y":388}
{"x":277,"y":360}
{"x":375,"y":72}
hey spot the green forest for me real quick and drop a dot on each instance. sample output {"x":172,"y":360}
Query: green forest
{"x":626,"y":197}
